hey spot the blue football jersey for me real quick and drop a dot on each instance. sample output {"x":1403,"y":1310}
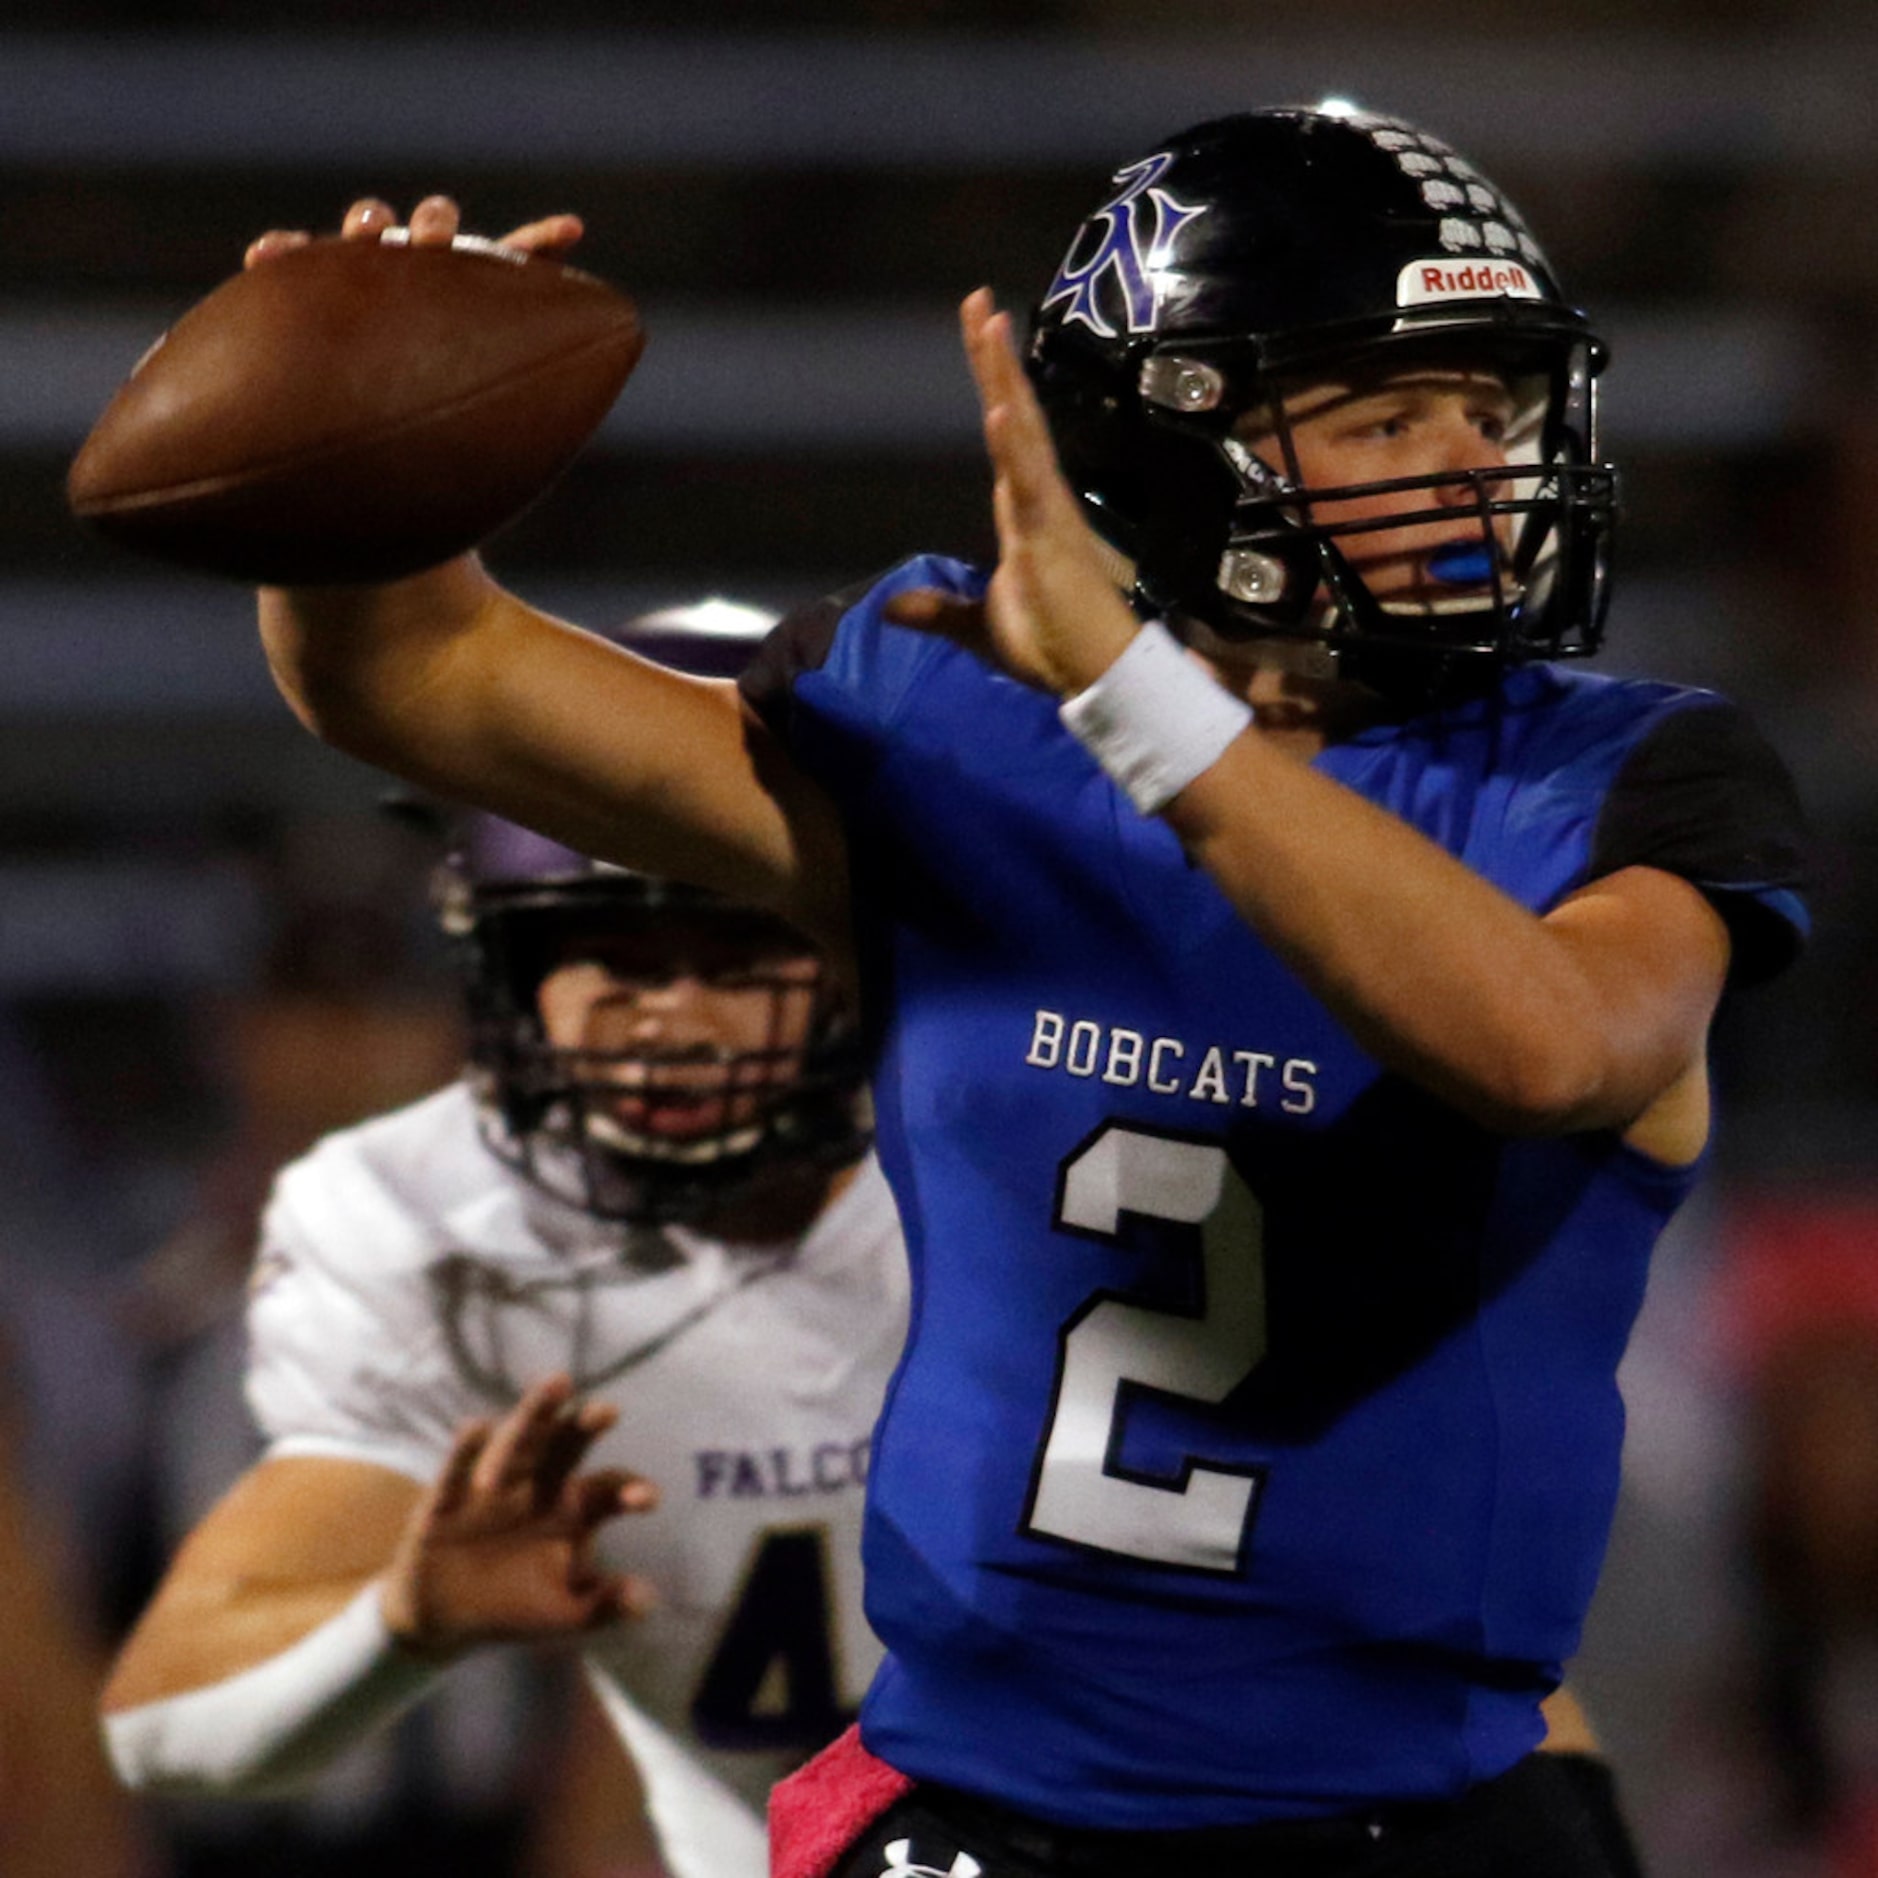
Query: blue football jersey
{"x":1257,"y":1436}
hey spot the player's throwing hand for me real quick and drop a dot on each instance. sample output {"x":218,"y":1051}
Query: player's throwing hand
{"x":501,"y":1547}
{"x":434,"y":223}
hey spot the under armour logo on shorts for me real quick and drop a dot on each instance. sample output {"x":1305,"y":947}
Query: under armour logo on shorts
{"x":900,"y":1864}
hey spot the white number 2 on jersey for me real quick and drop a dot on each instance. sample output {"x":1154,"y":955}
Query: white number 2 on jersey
{"x":1111,"y":1348}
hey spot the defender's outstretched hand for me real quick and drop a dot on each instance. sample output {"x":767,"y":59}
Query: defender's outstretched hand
{"x":1052,"y":615}
{"x":501,"y":1547}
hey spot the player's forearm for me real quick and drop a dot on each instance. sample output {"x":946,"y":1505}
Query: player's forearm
{"x":464,"y":690}
{"x":1434,"y":970}
{"x":455,"y":684}
{"x":356,"y":663}
{"x":260,"y":1701}
{"x":203,"y":1627}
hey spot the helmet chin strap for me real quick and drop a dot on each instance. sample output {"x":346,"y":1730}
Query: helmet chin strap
{"x":1482,"y":581}
{"x":1278,"y":652}
{"x":1440,"y":608}
{"x":1119,"y":567}
{"x":1255,"y":578}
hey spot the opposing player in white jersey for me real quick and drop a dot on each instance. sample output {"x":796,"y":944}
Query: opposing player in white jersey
{"x":636,"y":1261}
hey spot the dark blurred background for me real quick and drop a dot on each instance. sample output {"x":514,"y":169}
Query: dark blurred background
{"x":213,"y":946}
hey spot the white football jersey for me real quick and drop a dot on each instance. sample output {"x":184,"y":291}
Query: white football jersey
{"x":408,"y":1280}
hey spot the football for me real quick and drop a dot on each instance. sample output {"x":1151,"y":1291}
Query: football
{"x":355,"y":411}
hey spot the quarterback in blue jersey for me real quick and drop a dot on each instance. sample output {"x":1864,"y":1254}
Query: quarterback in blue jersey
{"x":1288,"y":977}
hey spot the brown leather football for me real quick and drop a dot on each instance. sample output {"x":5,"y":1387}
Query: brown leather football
{"x":355,"y":411}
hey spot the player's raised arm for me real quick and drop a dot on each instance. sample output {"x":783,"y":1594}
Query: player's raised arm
{"x":455,"y":379}
{"x":1593,"y":1017}
{"x":447,"y":679}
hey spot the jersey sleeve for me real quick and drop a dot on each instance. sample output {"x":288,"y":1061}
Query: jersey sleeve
{"x":833,"y":681}
{"x":341,"y":1361}
{"x":1703,"y":795}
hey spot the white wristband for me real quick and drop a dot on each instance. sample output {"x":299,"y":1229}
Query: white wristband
{"x":1154,"y":720}
{"x":268,"y":1728}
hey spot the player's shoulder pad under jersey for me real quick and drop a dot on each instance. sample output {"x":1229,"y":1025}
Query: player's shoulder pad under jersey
{"x":1702,"y":794}
{"x":344,"y":1355}
{"x":369,"y":1197}
{"x":846,"y":638}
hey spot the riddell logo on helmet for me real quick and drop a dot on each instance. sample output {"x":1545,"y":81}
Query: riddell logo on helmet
{"x":1422,"y":281}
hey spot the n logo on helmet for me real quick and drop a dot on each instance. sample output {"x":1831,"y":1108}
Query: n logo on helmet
{"x":1138,"y":229}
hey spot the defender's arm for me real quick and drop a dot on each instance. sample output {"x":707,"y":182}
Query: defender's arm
{"x":321,"y":1596}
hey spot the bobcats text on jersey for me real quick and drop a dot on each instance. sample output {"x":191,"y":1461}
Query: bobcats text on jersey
{"x":1214,"y":1072}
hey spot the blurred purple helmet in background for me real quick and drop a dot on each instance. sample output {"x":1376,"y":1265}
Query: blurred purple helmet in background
{"x":515,"y":902}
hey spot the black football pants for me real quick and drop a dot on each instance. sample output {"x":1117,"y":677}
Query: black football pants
{"x":1551,"y":1816}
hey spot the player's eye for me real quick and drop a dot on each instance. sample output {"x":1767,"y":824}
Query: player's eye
{"x":739,"y":978}
{"x":1380,"y":430}
{"x":1386,"y":421}
{"x":636,"y":984}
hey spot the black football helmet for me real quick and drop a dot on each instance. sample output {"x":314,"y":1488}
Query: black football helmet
{"x":1249,"y":257}
{"x":517,"y":904}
